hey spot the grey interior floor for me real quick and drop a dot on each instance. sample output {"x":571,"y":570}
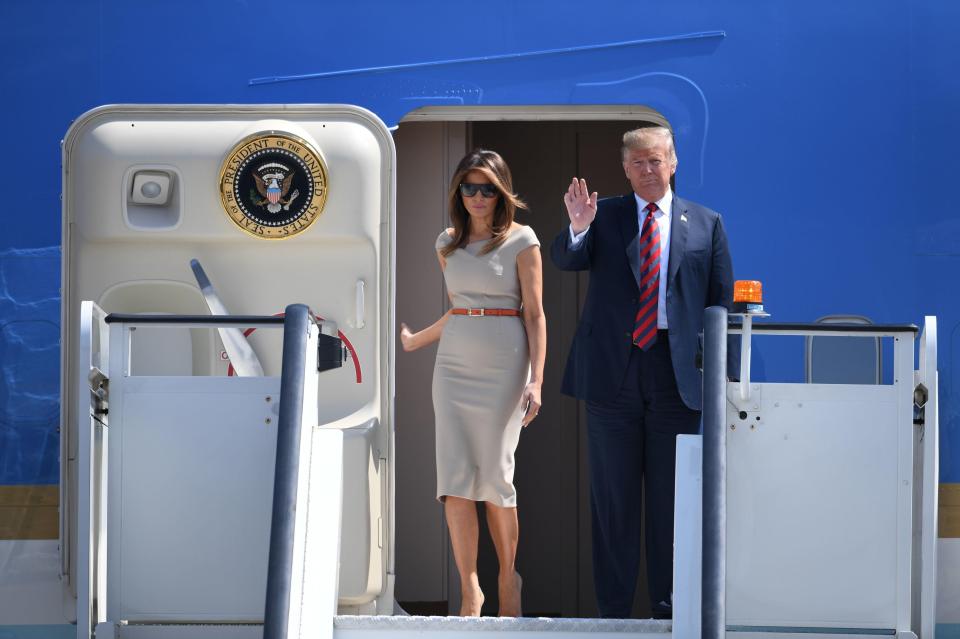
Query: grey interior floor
{"x":502,"y":624}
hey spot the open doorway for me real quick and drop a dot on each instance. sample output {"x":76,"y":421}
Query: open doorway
{"x":551,"y":473}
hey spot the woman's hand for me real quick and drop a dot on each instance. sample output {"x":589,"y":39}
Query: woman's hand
{"x":406,"y":338}
{"x":531,"y":400}
{"x":412,"y":341}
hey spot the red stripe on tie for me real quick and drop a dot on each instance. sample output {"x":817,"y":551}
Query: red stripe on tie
{"x":651,"y":304}
{"x":646,"y":340}
{"x":652,"y":276}
{"x":646,"y":322}
{"x":643,"y":327}
{"x":646,"y":265}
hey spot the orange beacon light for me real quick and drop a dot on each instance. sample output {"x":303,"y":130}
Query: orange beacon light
{"x":747,"y":296}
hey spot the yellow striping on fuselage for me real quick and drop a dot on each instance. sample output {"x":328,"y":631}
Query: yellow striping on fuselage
{"x":949,"y":510}
{"x":29,"y":511}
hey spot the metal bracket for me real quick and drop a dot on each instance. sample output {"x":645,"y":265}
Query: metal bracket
{"x":750,"y":405}
{"x":920,"y":397}
{"x":745,"y":338}
{"x":100,"y":389}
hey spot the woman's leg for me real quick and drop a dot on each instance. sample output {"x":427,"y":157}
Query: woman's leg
{"x":505,"y":530}
{"x":464,"y":533}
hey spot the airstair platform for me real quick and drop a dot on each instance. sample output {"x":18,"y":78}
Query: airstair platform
{"x":422,"y":627}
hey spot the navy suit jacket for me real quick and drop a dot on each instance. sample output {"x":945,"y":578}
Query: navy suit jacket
{"x":699,"y":274}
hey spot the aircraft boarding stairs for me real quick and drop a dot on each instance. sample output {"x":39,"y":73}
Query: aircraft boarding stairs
{"x":203,"y":497}
{"x":198,"y":519}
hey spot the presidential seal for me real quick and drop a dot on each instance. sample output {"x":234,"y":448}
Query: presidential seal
{"x":273,"y":185}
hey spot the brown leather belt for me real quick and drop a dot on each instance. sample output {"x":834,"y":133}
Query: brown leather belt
{"x":481,"y":312}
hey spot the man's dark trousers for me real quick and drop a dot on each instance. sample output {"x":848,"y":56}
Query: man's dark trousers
{"x":632,"y":442}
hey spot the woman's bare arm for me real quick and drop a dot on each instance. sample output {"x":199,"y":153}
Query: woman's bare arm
{"x":412,"y":341}
{"x":530,"y":272}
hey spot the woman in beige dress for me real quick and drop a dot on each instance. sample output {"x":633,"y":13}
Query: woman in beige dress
{"x":489,"y":368}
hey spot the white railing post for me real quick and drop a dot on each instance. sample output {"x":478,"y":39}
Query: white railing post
{"x":303,"y":566}
{"x":91,"y":376}
{"x":930,"y":479}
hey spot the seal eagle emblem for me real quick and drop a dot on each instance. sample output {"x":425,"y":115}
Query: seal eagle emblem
{"x":273,"y":185}
{"x":273,"y":194}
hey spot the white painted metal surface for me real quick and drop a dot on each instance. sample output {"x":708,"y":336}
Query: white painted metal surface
{"x":318,"y":600}
{"x":812,"y":512}
{"x":361,"y":549}
{"x":191,"y":487}
{"x":820,"y":502}
{"x":174,"y":631}
{"x":823,"y":528}
{"x":191,"y":492}
{"x":688,"y":551}
{"x":316,"y":539}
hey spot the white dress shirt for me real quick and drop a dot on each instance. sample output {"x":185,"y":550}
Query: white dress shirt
{"x":662,"y":216}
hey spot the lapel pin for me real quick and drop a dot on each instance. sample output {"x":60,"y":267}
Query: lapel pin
{"x":683,"y":218}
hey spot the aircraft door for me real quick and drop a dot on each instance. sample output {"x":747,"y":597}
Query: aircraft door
{"x":280,"y":204}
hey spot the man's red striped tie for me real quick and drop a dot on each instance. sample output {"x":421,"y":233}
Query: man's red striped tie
{"x":645,"y":325}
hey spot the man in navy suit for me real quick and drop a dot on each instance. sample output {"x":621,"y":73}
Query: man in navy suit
{"x":656,"y":261}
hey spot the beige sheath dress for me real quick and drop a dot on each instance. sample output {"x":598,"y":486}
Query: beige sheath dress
{"x":483,"y":364}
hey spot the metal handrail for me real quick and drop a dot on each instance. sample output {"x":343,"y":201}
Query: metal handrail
{"x":199,"y":320}
{"x":713,"y":620}
{"x":296,"y":329}
{"x":803,"y":328}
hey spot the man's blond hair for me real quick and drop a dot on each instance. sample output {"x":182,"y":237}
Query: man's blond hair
{"x":648,"y":137}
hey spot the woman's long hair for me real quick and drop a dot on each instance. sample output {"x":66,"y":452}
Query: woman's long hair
{"x":491,"y":165}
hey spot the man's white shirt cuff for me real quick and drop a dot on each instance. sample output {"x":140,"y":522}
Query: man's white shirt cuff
{"x":576,"y":239}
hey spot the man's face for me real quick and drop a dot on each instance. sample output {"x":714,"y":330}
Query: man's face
{"x":649,"y":171}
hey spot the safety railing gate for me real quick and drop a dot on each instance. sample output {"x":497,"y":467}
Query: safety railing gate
{"x":819,"y":500}
{"x":197,"y":491}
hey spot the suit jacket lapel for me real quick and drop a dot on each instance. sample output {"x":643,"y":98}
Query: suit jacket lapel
{"x":630,"y":228}
{"x":678,"y":237}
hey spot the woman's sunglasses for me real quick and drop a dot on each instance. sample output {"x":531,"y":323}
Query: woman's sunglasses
{"x":486,"y":190}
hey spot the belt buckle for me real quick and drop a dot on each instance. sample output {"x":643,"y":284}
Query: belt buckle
{"x":475,"y":312}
